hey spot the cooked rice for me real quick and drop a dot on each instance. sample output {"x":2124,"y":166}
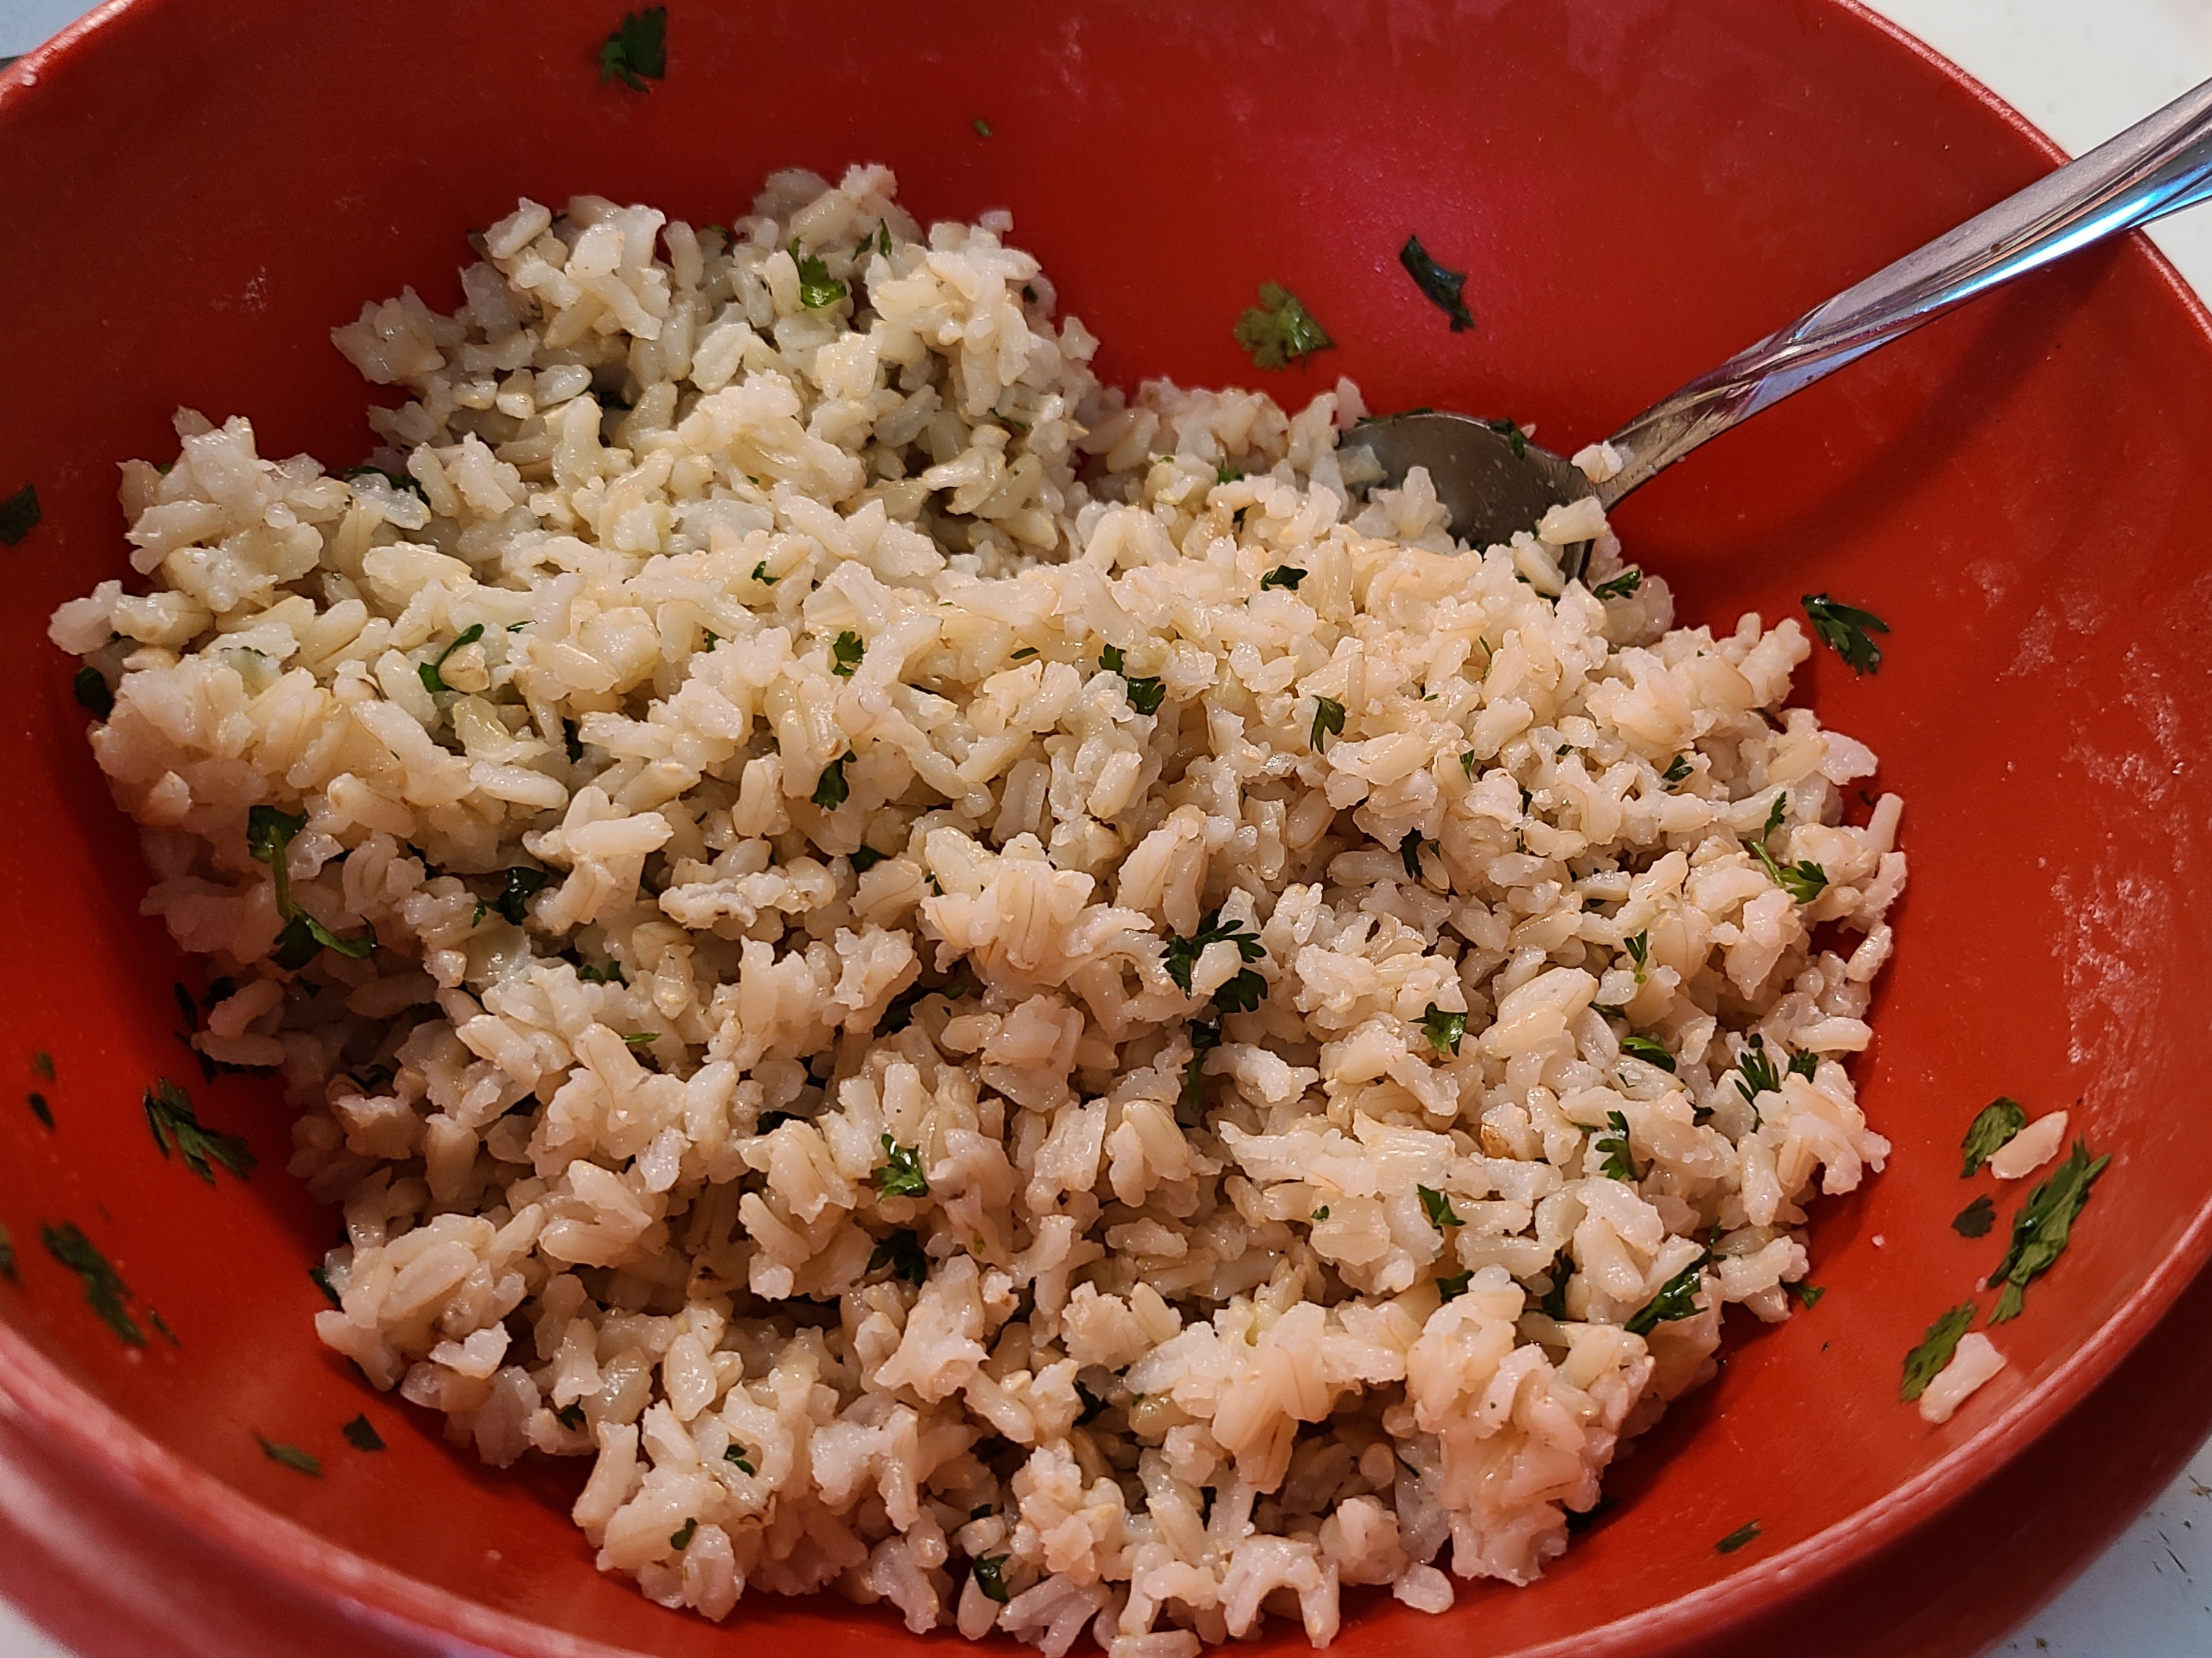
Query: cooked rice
{"x":1190,"y":1348}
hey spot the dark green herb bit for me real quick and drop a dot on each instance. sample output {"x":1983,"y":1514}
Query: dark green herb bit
{"x":864,"y":858}
{"x":1975,"y":1219}
{"x":1737,"y":1539}
{"x":322,"y":1280}
{"x":736,"y":1455}
{"x":1649,"y":1049}
{"x":433,"y":681}
{"x":1619,"y":1161}
{"x":571,"y":741}
{"x":1996,"y":1123}
{"x":989,"y":1570}
{"x":1224,"y":473}
{"x":518,"y":887}
{"x":1023,"y":655}
{"x":169,"y":1114}
{"x":1328,"y":719}
{"x":1638,"y":946}
{"x":637,"y":51}
{"x":1145,"y":695}
{"x":571,"y":1417}
{"x":43,"y":1063}
{"x":1181,"y":954}
{"x":1621,"y":586}
{"x":1779,"y":805}
{"x":845,"y":653}
{"x":1847,"y":630}
{"x":1554,"y":1304}
{"x":1803,"y":880}
{"x":1444,"y":1030}
{"x":1204,"y":1037}
{"x":1804,"y":1064}
{"x":1409,"y":852}
{"x":1678,"y":768}
{"x":41,"y":1110}
{"x":982,"y":130}
{"x":2041,"y":1227}
{"x":1437,"y":1205}
{"x":611,"y":973}
{"x":1512,"y":432}
{"x":1677,"y":1299}
{"x":1810,"y":1294}
{"x":830,"y":789}
{"x":882,"y":238}
{"x":7,"y":1255}
{"x":1452,"y":1287}
{"x":105,"y":1291}
{"x":900,"y":1175}
{"x":680,"y":1539}
{"x":290,"y":1455}
{"x":1287,"y":576}
{"x":1319,"y":1215}
{"x":19,"y":515}
{"x":1756,"y":1065}
{"x":269,"y":832}
{"x":761,"y":574}
{"x":1925,"y":1363}
{"x":92,"y":696}
{"x":361,"y":1433}
{"x":641,"y":1038}
{"x":1442,"y":286}
{"x":902,"y":1253}
{"x":1467,"y":764}
{"x":1278,"y":331}
{"x":817,"y":288}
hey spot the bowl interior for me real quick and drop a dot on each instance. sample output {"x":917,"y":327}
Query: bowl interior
{"x":198,"y":193}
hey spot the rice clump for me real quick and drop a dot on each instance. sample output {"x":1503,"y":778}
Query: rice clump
{"x":997,"y":997}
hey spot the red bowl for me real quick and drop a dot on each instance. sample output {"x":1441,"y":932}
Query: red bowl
{"x":194,"y":193}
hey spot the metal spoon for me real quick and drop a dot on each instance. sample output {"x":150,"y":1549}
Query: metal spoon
{"x":1493,"y":482}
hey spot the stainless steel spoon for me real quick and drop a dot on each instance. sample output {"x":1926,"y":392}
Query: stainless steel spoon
{"x":1493,"y":482}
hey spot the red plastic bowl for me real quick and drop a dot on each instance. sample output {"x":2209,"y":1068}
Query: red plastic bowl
{"x":194,"y":193}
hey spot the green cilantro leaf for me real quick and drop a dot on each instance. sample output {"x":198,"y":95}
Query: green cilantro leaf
{"x":1437,"y":1205}
{"x":1975,"y":1219}
{"x":1649,"y":1049}
{"x":1278,"y":331}
{"x":1638,"y":946}
{"x":169,"y":1114}
{"x":1444,"y":1030}
{"x":570,"y":1417}
{"x":291,"y":1456}
{"x":902,"y":1253}
{"x":361,"y":1433}
{"x":105,"y":1292}
{"x":2041,"y":1227}
{"x":1328,"y":719}
{"x":322,"y":1281}
{"x":735,"y":1455}
{"x":680,"y":1539}
{"x":817,"y":288}
{"x":1619,"y":1161}
{"x":900,"y":1175}
{"x":1678,"y":768}
{"x":92,"y":696}
{"x":610,"y":973}
{"x":1181,"y":954}
{"x":1677,"y":1299}
{"x":19,"y":515}
{"x":433,"y":681}
{"x":1512,"y":432}
{"x":1442,"y":286}
{"x":1774,"y":810}
{"x":989,"y":1570}
{"x":1554,"y":1303}
{"x":41,"y":1110}
{"x":1847,"y":631}
{"x":1452,"y":1287}
{"x":1804,"y":1064}
{"x":518,"y":885}
{"x":1810,"y":1294}
{"x":637,"y":51}
{"x":1621,"y":586}
{"x":1145,"y":695}
{"x":1023,"y":655}
{"x":1319,"y":1215}
{"x":1737,"y":1539}
{"x":1994,"y":1124}
{"x":845,"y":653}
{"x":1925,"y":1363}
{"x":830,"y":789}
{"x":1409,"y":853}
{"x":1204,"y":1037}
{"x":1283,"y":575}
{"x":761,"y":574}
{"x":983,"y":127}
{"x":1757,"y":1065}
{"x":864,"y":858}
{"x":1803,"y":880}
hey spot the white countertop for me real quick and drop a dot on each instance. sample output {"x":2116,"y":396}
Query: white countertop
{"x":2081,"y":72}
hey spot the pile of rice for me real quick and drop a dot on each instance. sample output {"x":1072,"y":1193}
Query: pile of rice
{"x":650,"y":1176}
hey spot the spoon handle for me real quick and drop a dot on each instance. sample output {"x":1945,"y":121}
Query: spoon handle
{"x":2159,"y":166}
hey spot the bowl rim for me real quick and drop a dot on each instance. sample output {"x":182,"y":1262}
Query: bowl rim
{"x":100,"y":1441}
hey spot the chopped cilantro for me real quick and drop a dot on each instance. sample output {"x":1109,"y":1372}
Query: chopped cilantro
{"x":735,"y":1455}
{"x":1994,"y":1124}
{"x":902,"y":1253}
{"x":989,"y":1570}
{"x":1649,"y":1049}
{"x":1409,"y":852}
{"x":90,"y":687}
{"x":361,"y":1433}
{"x":1444,"y":1030}
{"x":1638,"y":946}
{"x":1757,"y":1065}
{"x":571,"y":741}
{"x":1677,"y":1299}
{"x":1224,"y":473}
{"x":1803,"y":880}
{"x":105,"y":1292}
{"x":1554,"y":1303}
{"x":611,"y":973}
{"x":817,"y":288}
{"x":1847,"y":631}
{"x":1204,"y":1037}
{"x":1467,"y":764}
{"x":1512,"y":432}
{"x":1621,"y":586}
{"x":864,"y":858}
{"x":983,"y":129}
{"x":882,"y":238}
{"x":1677,"y":769}
{"x":680,"y":1539}
{"x":571,"y":1417}
{"x":1319,"y":1215}
{"x":290,"y":1455}
{"x":1437,"y":1205}
{"x":1804,"y":1064}
{"x":761,"y":574}
{"x":269,"y":832}
{"x":322,"y":1280}
{"x":43,"y":1063}
{"x":830,"y":789}
{"x":640,"y":1038}
{"x":1975,"y":1219}
{"x":845,"y":653}
{"x":1283,"y":575}
{"x":1181,"y":954}
{"x":169,"y":1114}
{"x":41,"y":1110}
{"x":1810,"y":1294}
{"x":1328,"y":719}
{"x":19,"y":515}
{"x":900,"y":1175}
{"x":637,"y":51}
{"x":1925,"y":1363}
{"x":2040,"y":1229}
{"x":1737,"y":1539}
{"x":1025,"y":653}
{"x":1454,"y":1285}
{"x":1619,"y":1161}
{"x":433,"y":680}
{"x":1145,"y":695}
{"x":1278,"y":331}
{"x":517,"y":887}
{"x":1442,"y":286}
{"x":1779,"y":805}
